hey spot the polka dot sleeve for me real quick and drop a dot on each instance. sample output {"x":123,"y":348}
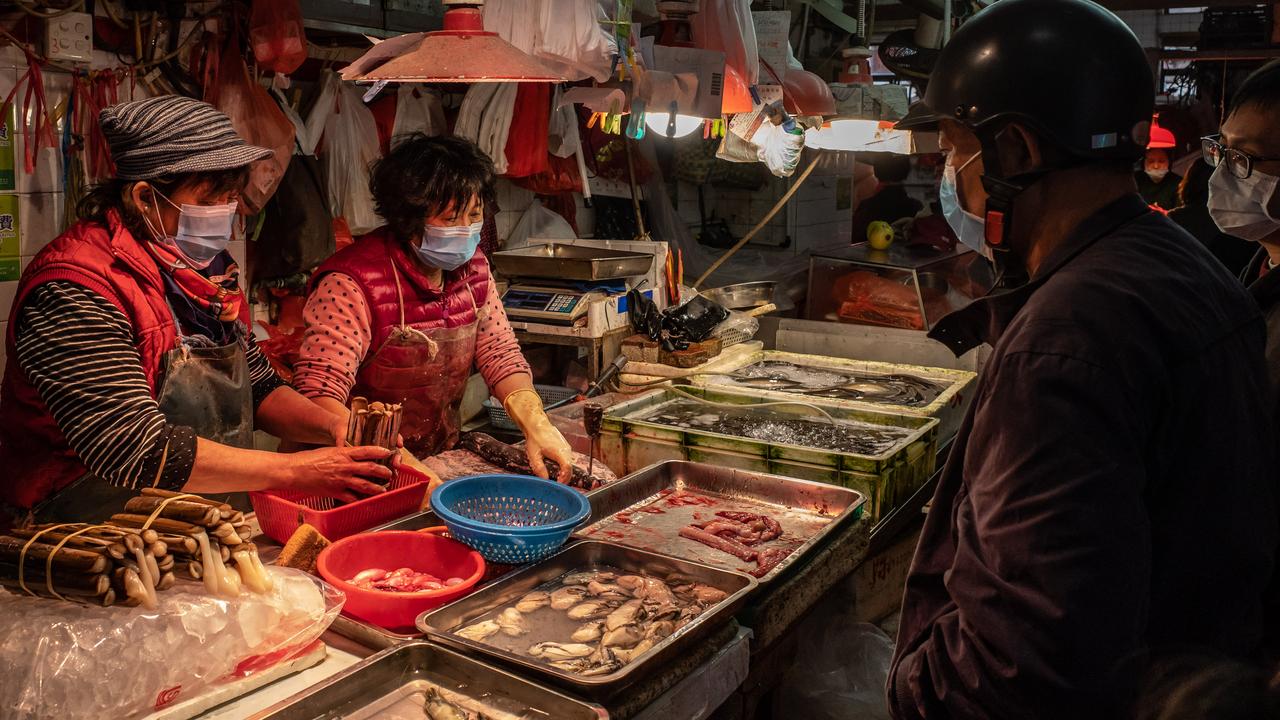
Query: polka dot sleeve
{"x":336,"y":340}
{"x":498,"y":353}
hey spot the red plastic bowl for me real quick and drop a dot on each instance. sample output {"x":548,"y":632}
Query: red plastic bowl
{"x":391,"y":549}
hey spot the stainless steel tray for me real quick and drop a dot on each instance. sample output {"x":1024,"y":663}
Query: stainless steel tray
{"x":440,"y":623}
{"x":807,"y":511}
{"x":570,"y":262}
{"x":397,"y":678}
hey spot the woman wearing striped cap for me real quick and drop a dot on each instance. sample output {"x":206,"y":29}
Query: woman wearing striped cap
{"x":130,"y":361}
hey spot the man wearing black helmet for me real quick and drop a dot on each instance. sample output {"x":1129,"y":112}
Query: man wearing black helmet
{"x":1109,"y":497}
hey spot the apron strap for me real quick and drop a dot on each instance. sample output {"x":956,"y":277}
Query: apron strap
{"x":399,"y":292}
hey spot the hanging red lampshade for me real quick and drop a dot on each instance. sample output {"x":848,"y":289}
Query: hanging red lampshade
{"x":462,"y":52}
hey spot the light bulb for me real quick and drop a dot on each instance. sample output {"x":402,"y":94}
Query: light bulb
{"x":685,"y":124}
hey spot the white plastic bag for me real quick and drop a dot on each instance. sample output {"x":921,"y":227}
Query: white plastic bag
{"x":562,"y":131}
{"x":418,"y":110}
{"x":73,"y":661}
{"x":727,"y":26}
{"x":538,"y":223}
{"x":350,"y":137}
{"x":779,"y":148}
{"x":841,"y":668}
{"x":566,"y":34}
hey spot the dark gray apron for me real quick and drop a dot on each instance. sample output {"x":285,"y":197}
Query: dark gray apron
{"x":204,"y":388}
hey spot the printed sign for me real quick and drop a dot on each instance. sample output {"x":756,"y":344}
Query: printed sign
{"x":772,"y":27}
{"x":8,"y":167}
{"x":10,"y":244}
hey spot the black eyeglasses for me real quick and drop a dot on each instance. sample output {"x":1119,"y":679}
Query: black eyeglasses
{"x":1239,"y":163}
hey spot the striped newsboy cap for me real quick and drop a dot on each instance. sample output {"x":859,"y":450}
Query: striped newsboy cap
{"x":172,"y":134}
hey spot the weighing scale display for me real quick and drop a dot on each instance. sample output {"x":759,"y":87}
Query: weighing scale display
{"x":541,"y":301}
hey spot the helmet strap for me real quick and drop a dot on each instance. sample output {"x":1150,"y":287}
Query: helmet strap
{"x":1002,"y":191}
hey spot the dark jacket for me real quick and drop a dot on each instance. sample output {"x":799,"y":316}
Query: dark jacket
{"x":1111,"y":490}
{"x":1163,"y":193}
{"x":890,"y":204}
{"x":1266,"y":292}
{"x":1230,"y":250}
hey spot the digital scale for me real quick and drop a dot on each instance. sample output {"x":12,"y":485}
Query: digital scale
{"x":551,"y":305}
{"x":578,"y":284}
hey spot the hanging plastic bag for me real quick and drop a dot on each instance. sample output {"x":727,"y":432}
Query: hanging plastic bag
{"x":574,"y":40}
{"x":276,"y":33}
{"x":418,"y":110}
{"x":526,"y":147}
{"x":485,"y":119}
{"x":350,"y":147}
{"x":727,"y":26}
{"x":257,"y":119}
{"x":538,"y":223}
{"x":562,"y":131}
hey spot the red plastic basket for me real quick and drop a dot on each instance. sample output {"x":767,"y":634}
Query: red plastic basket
{"x":281,"y":512}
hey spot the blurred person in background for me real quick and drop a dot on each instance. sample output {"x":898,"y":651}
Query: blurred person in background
{"x":1157,"y":183}
{"x":1192,"y":214}
{"x":890,"y":202}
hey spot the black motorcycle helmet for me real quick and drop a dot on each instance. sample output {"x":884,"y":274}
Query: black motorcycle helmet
{"x":1069,"y":70}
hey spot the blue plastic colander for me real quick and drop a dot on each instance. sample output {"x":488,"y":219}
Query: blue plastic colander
{"x":512,"y":519}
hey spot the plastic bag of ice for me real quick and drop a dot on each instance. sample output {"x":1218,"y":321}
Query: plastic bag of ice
{"x":72,"y":661}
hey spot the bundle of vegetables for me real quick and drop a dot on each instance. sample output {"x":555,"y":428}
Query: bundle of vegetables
{"x":208,"y":539}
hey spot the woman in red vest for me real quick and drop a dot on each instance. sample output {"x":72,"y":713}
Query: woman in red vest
{"x":130,"y":364}
{"x":406,"y":312}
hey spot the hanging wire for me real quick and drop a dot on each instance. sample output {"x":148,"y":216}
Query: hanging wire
{"x":33,"y":12}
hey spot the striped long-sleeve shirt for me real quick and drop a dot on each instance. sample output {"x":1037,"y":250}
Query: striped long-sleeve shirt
{"x":77,"y":349}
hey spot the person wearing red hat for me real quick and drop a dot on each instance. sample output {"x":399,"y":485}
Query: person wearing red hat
{"x":1157,"y":183}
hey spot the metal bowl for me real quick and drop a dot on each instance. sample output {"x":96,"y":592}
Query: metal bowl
{"x":743,"y":296}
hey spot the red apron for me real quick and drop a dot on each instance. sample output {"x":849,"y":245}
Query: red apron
{"x":427,"y":371}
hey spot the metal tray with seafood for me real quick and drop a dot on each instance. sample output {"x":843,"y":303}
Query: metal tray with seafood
{"x":648,"y":510}
{"x":593,"y":617}
{"x":879,"y":386}
{"x":422,"y":681}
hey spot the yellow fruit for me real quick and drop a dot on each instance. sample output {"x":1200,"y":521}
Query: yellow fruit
{"x":880,"y":235}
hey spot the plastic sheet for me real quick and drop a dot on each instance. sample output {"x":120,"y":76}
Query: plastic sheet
{"x":71,"y":661}
{"x":840,"y":670}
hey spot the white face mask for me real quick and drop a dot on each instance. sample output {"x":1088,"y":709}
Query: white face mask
{"x":203,"y":231}
{"x":969,"y":228}
{"x":1239,"y":207}
{"x":1157,"y":175}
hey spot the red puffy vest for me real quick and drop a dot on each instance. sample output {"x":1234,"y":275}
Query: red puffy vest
{"x":368,"y":261}
{"x":110,"y":262}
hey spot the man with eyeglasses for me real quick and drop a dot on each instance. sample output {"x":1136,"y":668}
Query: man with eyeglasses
{"x":1243,"y":196}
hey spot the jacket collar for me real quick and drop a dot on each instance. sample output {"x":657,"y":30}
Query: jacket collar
{"x":985,"y":319}
{"x":1265,"y":289}
{"x":130,"y":251}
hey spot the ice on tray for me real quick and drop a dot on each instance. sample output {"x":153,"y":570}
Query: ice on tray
{"x":777,"y":428}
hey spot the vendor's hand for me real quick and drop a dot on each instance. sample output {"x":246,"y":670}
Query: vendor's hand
{"x":344,"y":473}
{"x":338,"y":428}
{"x":544,"y":442}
